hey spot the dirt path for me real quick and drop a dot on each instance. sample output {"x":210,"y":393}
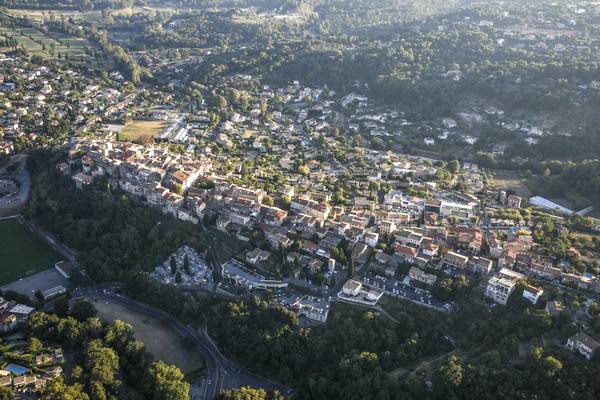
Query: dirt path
{"x":160,"y":340}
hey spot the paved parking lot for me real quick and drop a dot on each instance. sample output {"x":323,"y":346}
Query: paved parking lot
{"x":401,"y":290}
{"x":39,"y":282}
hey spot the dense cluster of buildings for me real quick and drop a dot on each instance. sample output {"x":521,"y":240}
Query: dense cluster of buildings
{"x":12,"y":313}
{"x":37,"y":99}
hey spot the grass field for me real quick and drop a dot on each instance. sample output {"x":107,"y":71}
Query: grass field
{"x":160,"y":339}
{"x":21,"y":251}
{"x":139,"y":128}
{"x":506,"y":180}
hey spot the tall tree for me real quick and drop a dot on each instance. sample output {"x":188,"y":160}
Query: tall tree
{"x":453,"y":166}
{"x":173,"y":265}
{"x":186,"y":264}
{"x":352,"y":269}
{"x":166,"y":382}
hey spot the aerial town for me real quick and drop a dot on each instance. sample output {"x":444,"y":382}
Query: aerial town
{"x":269,"y":228}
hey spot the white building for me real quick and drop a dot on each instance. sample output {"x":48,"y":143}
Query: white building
{"x":371,"y":239}
{"x":55,"y":291}
{"x":500,"y":289}
{"x":532,"y":293}
{"x":22,"y":311}
{"x":355,"y":292}
{"x":584,"y":344}
{"x":352,"y":287}
{"x":64,"y":268}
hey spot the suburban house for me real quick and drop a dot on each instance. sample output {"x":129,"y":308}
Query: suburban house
{"x":454,"y":260}
{"x":532,"y":293}
{"x":421,"y":276}
{"x":361,"y":253}
{"x":465,"y":238}
{"x":371,"y":238}
{"x":8,"y":322}
{"x":480,"y":265}
{"x":6,"y":380}
{"x":495,"y":245}
{"x":82,"y":179}
{"x":257,"y":255}
{"x":406,"y":253}
{"x":514,"y":201}
{"x":584,"y":344}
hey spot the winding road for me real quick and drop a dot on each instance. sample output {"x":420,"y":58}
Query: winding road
{"x":222,"y":373}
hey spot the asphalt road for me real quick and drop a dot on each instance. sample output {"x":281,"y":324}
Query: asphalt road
{"x":232,"y":376}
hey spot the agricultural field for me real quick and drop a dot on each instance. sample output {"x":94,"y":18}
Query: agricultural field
{"x":88,"y":16}
{"x":49,"y":46}
{"x":40,"y":15}
{"x":22,"y":252}
{"x":141,"y":129}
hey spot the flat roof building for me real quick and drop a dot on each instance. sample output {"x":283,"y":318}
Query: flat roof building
{"x":55,"y":291}
{"x":64,"y":268}
{"x":242,"y":276}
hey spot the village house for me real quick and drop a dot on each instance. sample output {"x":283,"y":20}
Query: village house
{"x":454,"y":260}
{"x":405,"y":253}
{"x":361,"y":253}
{"x":584,"y":344}
{"x":480,"y":265}
{"x":256,"y":256}
{"x":82,"y":180}
{"x":8,"y":322}
{"x":421,"y":276}
{"x":532,"y":293}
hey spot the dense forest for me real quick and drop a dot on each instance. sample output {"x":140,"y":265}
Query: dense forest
{"x":356,"y":339}
{"x":404,"y":60}
{"x":352,"y":355}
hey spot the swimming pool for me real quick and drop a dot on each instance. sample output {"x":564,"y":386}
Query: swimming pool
{"x":17,"y":369}
{"x":588,"y":275}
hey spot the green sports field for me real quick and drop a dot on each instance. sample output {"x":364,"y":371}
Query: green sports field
{"x":22,"y":251}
